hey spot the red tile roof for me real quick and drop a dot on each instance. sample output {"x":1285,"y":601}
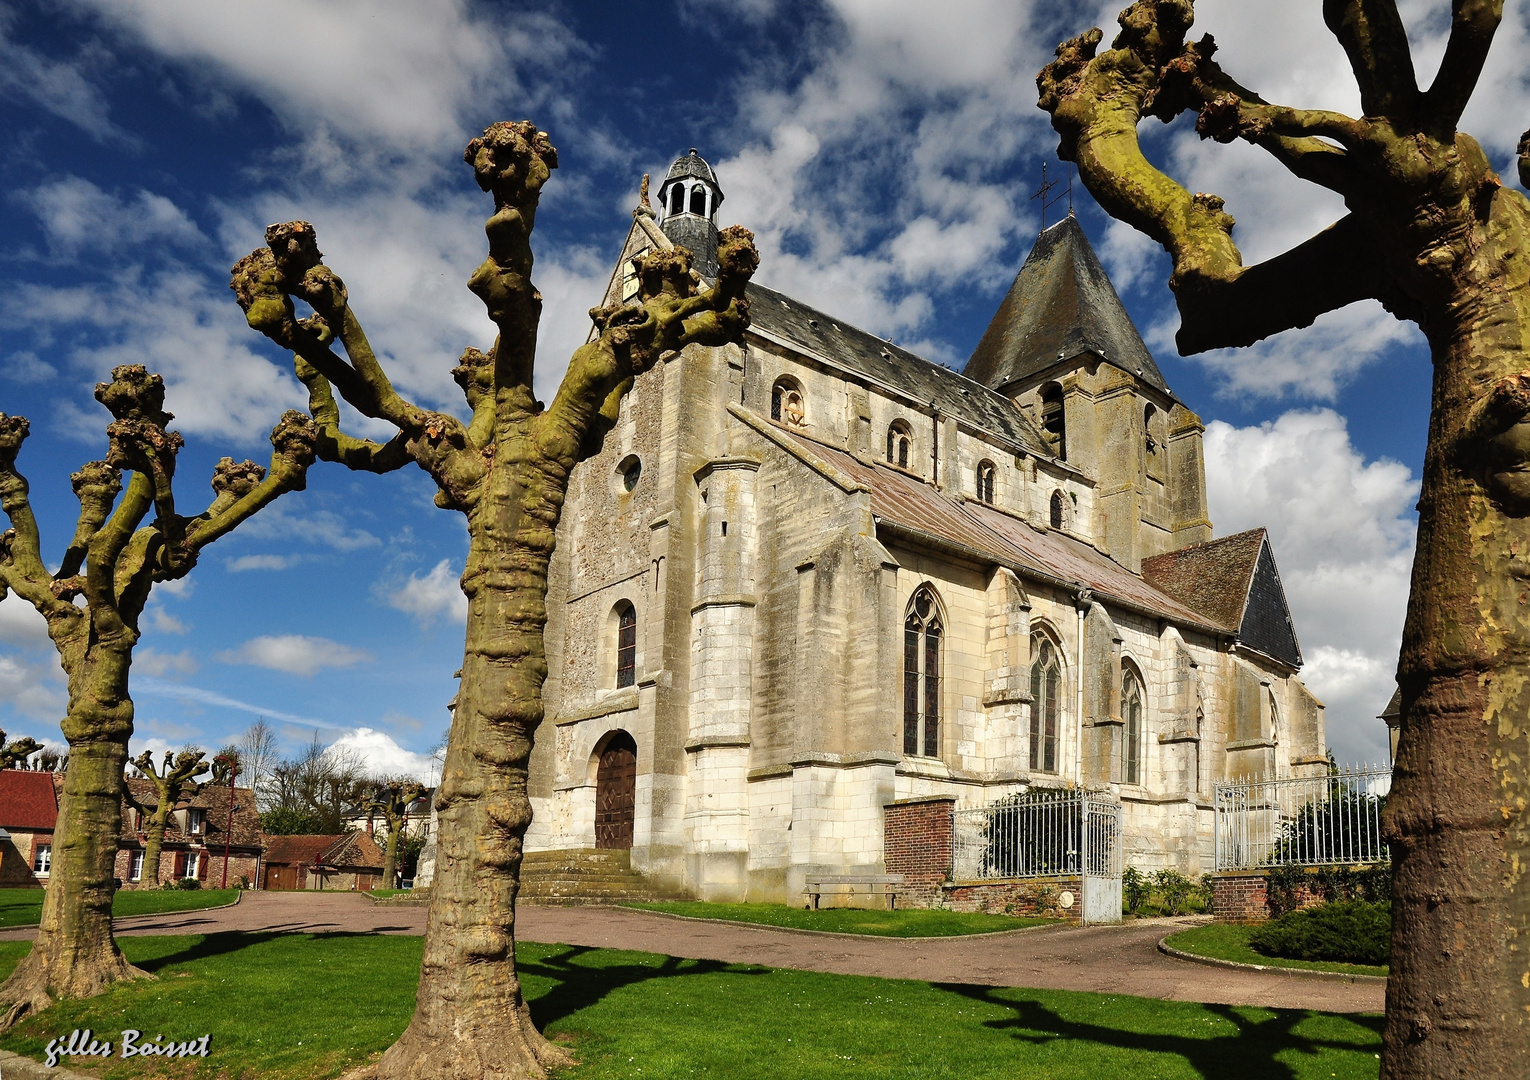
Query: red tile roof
{"x":342,"y":850}
{"x":27,"y":800}
{"x":211,"y":799}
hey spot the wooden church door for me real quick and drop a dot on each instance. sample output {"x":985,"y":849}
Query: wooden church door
{"x":616,"y":792}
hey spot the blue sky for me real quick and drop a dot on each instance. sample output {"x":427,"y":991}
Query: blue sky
{"x":884,"y":156}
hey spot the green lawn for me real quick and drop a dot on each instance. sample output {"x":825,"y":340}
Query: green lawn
{"x":300,"y":1006}
{"x":1227,"y":942}
{"x":914,"y":922}
{"x":23,"y":907}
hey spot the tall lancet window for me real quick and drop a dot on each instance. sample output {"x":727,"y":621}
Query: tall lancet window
{"x":985,"y":477}
{"x":1131,"y":713}
{"x":921,"y":676}
{"x":1046,"y":697}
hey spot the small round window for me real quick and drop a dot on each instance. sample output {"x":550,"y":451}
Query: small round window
{"x":629,"y":472}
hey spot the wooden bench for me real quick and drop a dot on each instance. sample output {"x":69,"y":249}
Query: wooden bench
{"x":888,"y":885}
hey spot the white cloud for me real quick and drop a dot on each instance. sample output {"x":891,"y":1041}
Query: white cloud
{"x":20,"y":624}
{"x":27,"y":367}
{"x":58,"y":86}
{"x":383,"y":756}
{"x":74,"y":214}
{"x":149,"y":661}
{"x":299,"y":527}
{"x":196,"y":695}
{"x":1342,"y":532}
{"x":159,"y":619}
{"x":436,"y":595}
{"x":260,"y":562}
{"x":296,"y":654}
{"x":32,"y":689}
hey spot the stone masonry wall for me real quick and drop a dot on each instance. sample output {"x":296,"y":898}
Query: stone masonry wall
{"x":1017,"y":896}
{"x":917,"y":842}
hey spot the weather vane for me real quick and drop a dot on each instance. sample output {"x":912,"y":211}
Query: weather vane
{"x":1045,"y":190}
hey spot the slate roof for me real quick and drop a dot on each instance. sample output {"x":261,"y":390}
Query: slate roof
{"x":1235,"y":582}
{"x":859,"y":351}
{"x":1061,"y":304}
{"x":689,"y":165}
{"x":27,"y":800}
{"x":354,"y":849}
{"x":1392,"y":714}
{"x":900,"y":499}
{"x":213,"y":800}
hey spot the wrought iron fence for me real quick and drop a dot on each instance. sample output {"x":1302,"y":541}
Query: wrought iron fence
{"x":1332,"y":819}
{"x":1037,"y":834}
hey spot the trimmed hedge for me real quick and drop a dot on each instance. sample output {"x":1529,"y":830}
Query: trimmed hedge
{"x":1345,"y":931}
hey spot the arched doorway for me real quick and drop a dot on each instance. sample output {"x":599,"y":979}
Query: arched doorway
{"x":616,"y":792}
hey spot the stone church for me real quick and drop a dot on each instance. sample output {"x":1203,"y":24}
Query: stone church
{"x":814,"y":575}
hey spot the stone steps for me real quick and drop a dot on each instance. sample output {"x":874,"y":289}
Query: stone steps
{"x":578,"y":877}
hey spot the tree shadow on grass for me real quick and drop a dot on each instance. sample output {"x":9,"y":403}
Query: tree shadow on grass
{"x":578,"y":986}
{"x":1248,"y":1052}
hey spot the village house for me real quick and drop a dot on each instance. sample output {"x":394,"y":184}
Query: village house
{"x":28,"y":815}
{"x":815,"y":576}
{"x":201,"y":828}
{"x":349,"y":861}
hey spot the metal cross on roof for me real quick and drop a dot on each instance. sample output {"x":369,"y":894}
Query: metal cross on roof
{"x":1045,"y":190}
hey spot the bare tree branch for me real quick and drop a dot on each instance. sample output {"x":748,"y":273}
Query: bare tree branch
{"x":1473,"y":23}
{"x":1376,"y":42}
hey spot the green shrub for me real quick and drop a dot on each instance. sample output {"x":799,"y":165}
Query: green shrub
{"x":188,"y":884}
{"x":1201,"y":893}
{"x":1344,"y":931}
{"x":1173,"y":889}
{"x":1134,"y":889}
{"x":1285,"y":885}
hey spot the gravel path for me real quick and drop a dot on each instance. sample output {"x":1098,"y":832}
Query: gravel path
{"x":1108,"y":959}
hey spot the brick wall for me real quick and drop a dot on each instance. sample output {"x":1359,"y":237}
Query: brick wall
{"x":917,"y":844}
{"x":211,"y":877}
{"x":1017,"y":896}
{"x":1244,"y":897}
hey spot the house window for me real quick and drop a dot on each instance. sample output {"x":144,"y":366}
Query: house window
{"x":921,"y":676}
{"x":626,"y":644}
{"x":193,"y":864}
{"x":42,"y":860}
{"x":1131,"y":713}
{"x":196,"y":821}
{"x":985,"y":477}
{"x":135,"y":868}
{"x":898,"y":443}
{"x":786,"y":403}
{"x":1057,"y":509}
{"x":1052,"y":419}
{"x":1046,"y":695}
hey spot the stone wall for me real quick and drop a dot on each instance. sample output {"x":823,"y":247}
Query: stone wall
{"x":917,"y":842}
{"x":1017,"y":896}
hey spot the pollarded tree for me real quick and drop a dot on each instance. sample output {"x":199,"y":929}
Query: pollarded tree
{"x":391,"y":798}
{"x":177,"y":779}
{"x":18,"y":754}
{"x":92,"y":605}
{"x":507,"y":471}
{"x":1433,"y":234}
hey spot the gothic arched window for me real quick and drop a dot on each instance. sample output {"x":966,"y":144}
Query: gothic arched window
{"x":1131,"y":713}
{"x":699,"y":200}
{"x":1057,"y":509}
{"x":626,"y":644}
{"x":921,"y":675}
{"x":899,"y":440}
{"x":1052,"y":420}
{"x":985,"y":478}
{"x":786,"y":403}
{"x":1046,"y":701}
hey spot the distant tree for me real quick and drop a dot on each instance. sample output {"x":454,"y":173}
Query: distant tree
{"x":258,"y":754}
{"x":287,"y":822}
{"x":507,"y":471}
{"x":390,"y":799}
{"x":1434,"y":235}
{"x":320,"y":785}
{"x":17,"y":755}
{"x":111,"y":563}
{"x":173,"y":781}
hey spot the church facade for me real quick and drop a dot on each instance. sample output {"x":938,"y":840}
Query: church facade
{"x":816,"y":574}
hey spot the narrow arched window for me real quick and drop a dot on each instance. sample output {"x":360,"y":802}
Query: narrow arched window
{"x":1148,"y":413}
{"x":786,"y":403}
{"x":921,"y":676}
{"x":699,"y":200}
{"x":985,"y":478}
{"x":626,"y":644}
{"x":676,"y":199}
{"x":1057,"y":509}
{"x":898,"y":442}
{"x":1131,"y":714}
{"x":1046,"y":692}
{"x":1052,"y":420}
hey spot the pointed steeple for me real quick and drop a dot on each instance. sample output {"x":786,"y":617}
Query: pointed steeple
{"x":1061,"y":304}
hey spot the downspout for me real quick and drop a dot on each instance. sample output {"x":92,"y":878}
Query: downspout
{"x":1083,"y":600}
{"x":935,"y":445}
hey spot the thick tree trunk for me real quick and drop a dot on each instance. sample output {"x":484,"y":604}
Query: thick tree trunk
{"x":390,"y":856}
{"x":74,"y":955}
{"x":470,"y":1020}
{"x":153,"y":844}
{"x":1458,"y":1001}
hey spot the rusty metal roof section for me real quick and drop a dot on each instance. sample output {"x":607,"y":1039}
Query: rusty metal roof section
{"x":1234,"y":582}
{"x":903,"y":500}
{"x":1061,"y":304}
{"x":928,"y":383}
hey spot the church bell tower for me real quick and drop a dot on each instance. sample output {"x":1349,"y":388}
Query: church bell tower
{"x":688,"y":201}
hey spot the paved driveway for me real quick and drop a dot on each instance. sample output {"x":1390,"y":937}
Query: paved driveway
{"x":1109,"y":959}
